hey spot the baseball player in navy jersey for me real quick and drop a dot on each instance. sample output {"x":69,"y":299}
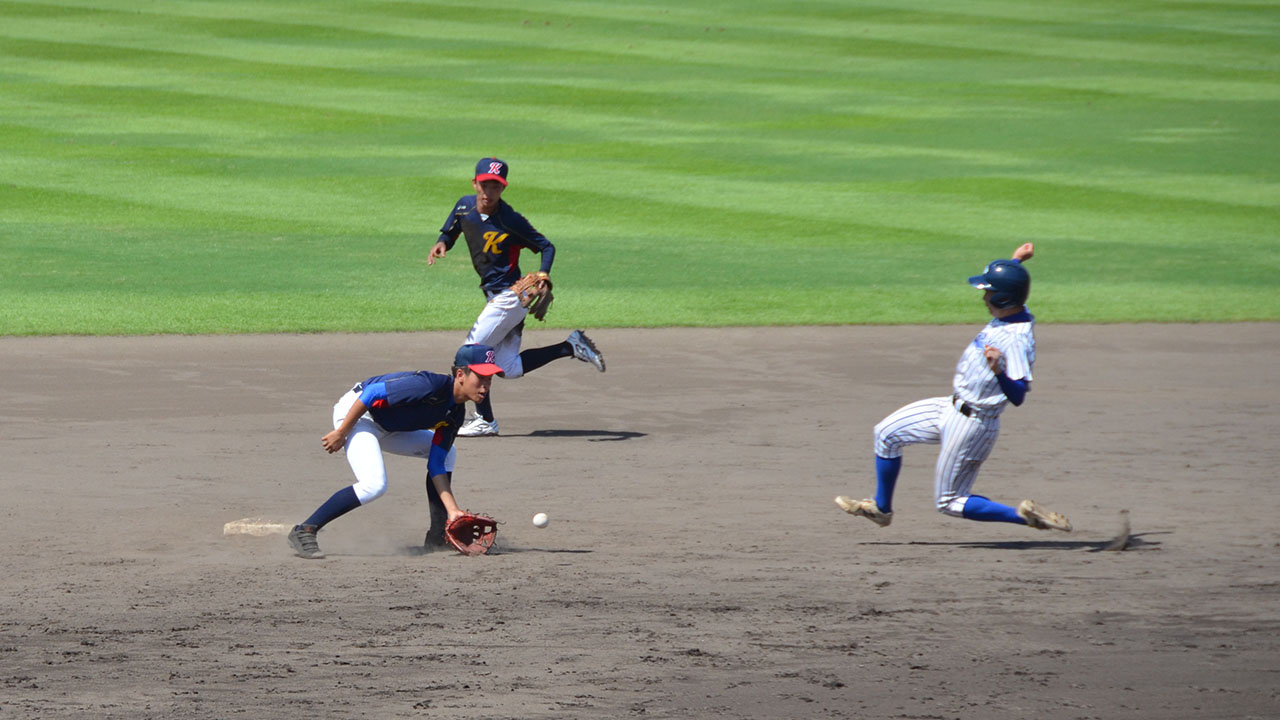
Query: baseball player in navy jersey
{"x":404,"y":413}
{"x":994,"y":370}
{"x":495,"y":235}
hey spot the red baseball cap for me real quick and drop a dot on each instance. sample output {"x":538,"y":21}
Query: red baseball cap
{"x":491,"y":168}
{"x":479,"y":358}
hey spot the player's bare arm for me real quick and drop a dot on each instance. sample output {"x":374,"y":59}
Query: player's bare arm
{"x":437,"y":252}
{"x":1024,"y":252}
{"x":336,"y":439}
{"x":445,"y":489}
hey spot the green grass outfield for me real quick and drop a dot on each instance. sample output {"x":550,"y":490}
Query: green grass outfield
{"x":275,"y":165}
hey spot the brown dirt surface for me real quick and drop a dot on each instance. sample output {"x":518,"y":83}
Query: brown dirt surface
{"x":695,"y":565}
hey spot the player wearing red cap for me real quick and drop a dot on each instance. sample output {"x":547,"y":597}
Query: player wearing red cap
{"x":496,"y":234}
{"x":403,"y":413}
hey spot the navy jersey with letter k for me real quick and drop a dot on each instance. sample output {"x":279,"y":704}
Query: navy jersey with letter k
{"x":496,"y":234}
{"x":495,"y":242}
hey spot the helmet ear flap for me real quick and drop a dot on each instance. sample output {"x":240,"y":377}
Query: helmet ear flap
{"x":1003,"y":301}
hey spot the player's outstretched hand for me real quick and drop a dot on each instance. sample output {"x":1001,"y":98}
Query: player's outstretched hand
{"x":333,"y":441}
{"x":436,"y":253}
{"x":1024,"y":252}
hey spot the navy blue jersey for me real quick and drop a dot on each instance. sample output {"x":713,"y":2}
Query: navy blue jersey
{"x":495,"y":242}
{"x":403,"y":401}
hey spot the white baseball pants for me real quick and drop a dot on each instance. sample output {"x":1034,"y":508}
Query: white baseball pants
{"x":368,"y":440}
{"x":499,"y":327}
{"x":966,"y":444}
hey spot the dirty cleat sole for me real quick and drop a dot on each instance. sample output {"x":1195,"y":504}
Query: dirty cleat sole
{"x":1042,"y":519}
{"x":866,"y":508}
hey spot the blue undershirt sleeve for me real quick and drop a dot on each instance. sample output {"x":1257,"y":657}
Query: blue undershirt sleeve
{"x":435,"y":461}
{"x":1015,"y":390}
{"x":548,"y":257}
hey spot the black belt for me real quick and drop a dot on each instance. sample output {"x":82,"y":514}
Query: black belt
{"x":965,"y":408}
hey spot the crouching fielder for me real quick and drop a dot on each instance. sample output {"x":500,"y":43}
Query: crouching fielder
{"x":994,"y":370}
{"x":404,"y":413}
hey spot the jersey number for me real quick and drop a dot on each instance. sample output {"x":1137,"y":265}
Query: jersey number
{"x":491,"y":241}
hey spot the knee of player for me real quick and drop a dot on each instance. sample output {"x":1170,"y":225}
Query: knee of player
{"x":886,"y":448}
{"x":885,"y":441}
{"x":950,"y":505}
{"x":367,"y":492}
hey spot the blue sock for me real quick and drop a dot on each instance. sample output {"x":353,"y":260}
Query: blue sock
{"x":339,"y":504}
{"x":984,"y":510}
{"x":886,"y":478}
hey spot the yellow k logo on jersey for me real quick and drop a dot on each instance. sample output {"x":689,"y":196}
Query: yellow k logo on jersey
{"x":492,"y":240}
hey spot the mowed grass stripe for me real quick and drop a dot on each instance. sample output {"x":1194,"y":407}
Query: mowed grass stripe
{"x":812,"y":150}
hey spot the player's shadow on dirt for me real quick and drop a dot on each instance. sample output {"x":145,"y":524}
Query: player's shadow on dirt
{"x":505,"y":550}
{"x":1136,"y":542}
{"x":498,"y":550}
{"x":592,"y":435}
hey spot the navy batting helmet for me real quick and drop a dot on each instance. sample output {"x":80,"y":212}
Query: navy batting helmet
{"x":1008,"y":280}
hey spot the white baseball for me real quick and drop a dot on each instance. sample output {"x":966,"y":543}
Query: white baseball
{"x":540,"y":520}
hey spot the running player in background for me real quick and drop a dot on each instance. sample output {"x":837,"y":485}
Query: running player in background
{"x":994,"y":370}
{"x":495,"y":235}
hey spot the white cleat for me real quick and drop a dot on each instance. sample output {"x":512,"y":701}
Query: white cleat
{"x":585,"y":350}
{"x":477,"y":426}
{"x":1042,"y":519}
{"x":866,"y":508}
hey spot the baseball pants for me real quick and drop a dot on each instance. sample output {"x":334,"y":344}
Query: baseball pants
{"x":368,"y":440}
{"x":499,"y":326}
{"x":966,"y":444}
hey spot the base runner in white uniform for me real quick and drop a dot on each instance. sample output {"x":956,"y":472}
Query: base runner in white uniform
{"x":994,"y":370}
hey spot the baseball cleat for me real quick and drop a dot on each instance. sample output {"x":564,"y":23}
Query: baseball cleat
{"x":1041,"y":519}
{"x":585,"y":350}
{"x":866,"y":508}
{"x":434,"y":539}
{"x":303,"y":540}
{"x":478,"y":427}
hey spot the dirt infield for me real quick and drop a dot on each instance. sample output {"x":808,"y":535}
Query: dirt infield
{"x":695,"y":565}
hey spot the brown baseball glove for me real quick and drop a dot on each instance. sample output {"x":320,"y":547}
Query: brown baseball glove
{"x":471,"y":534}
{"x":534,"y":292}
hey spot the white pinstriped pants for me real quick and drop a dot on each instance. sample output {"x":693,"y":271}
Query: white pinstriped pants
{"x":966,"y":443}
